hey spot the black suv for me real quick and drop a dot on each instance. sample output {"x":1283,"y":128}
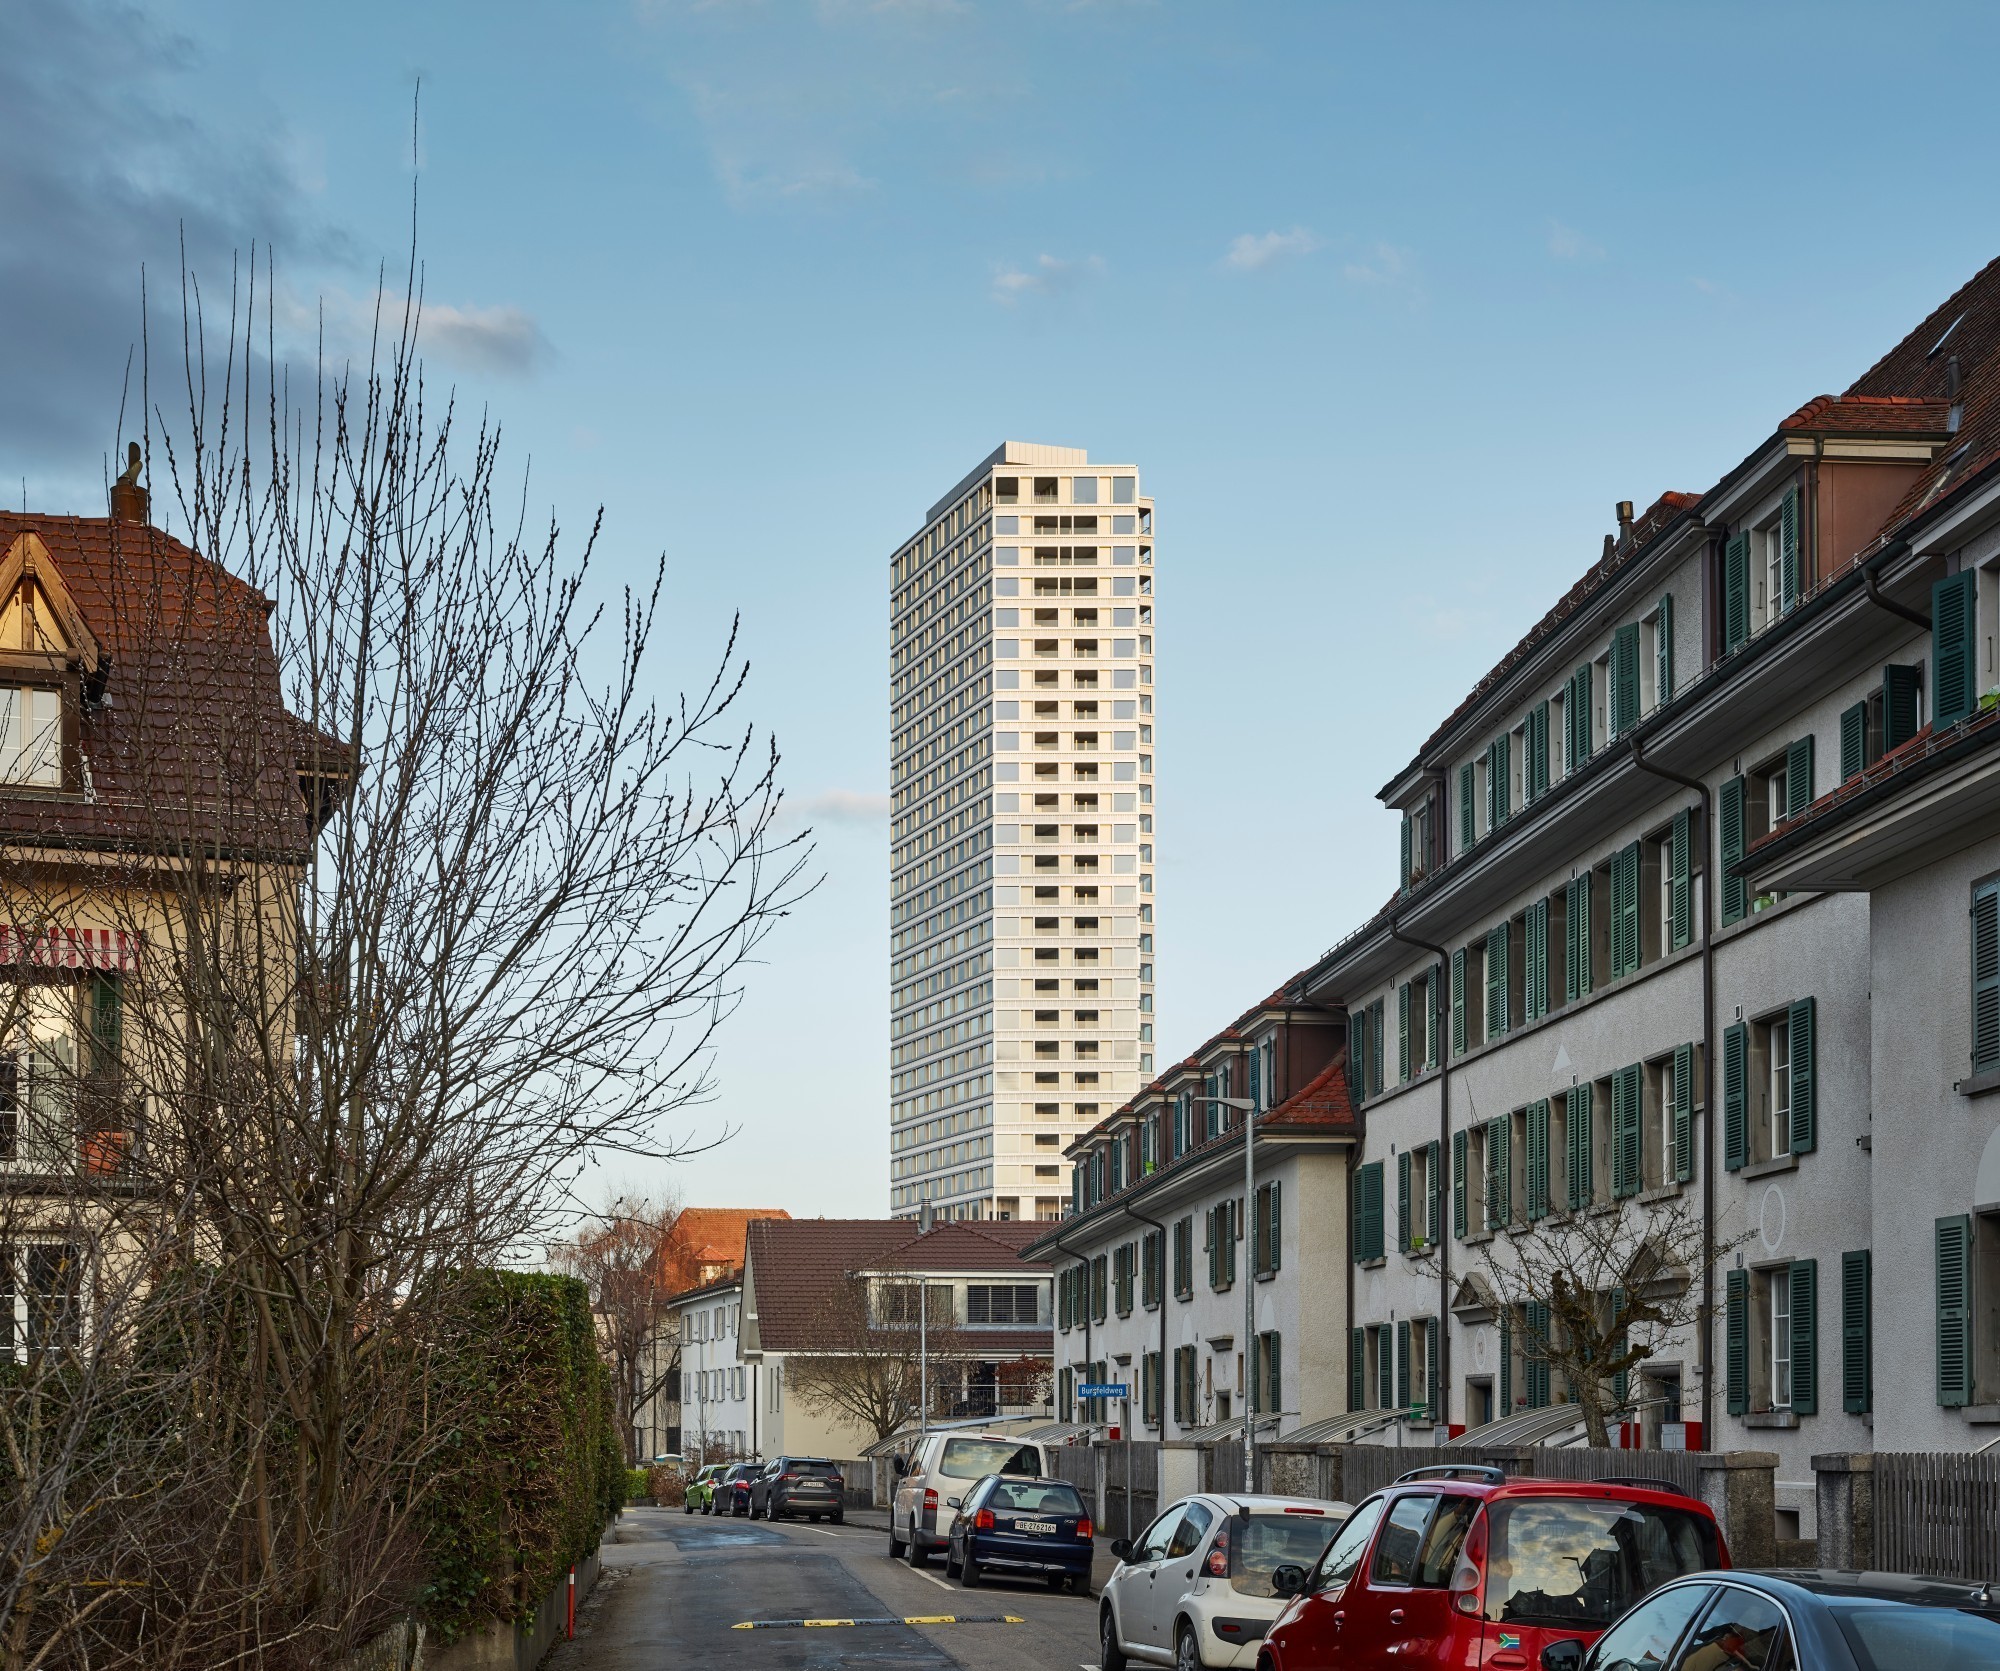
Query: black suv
{"x":808,"y":1485}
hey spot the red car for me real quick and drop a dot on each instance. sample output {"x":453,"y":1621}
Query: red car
{"x":1462,"y":1567}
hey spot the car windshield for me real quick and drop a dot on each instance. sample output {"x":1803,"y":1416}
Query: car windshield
{"x":812,"y":1465}
{"x":967,"y":1459}
{"x":1265,"y":1542}
{"x":1583,"y":1560}
{"x":1032,"y":1497}
{"x":1898,"y":1638}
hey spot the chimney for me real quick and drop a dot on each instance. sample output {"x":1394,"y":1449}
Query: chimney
{"x":129,"y":501}
{"x":1624,"y":520}
{"x":926,"y":1215}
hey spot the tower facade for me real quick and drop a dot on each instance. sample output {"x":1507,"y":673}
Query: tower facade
{"x":1022,"y":713}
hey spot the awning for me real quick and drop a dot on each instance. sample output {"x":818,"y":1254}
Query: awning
{"x":903,"y":1437}
{"x":1341,"y":1430}
{"x":70,"y":948}
{"x":1064,"y":1433}
{"x":1231,"y":1429}
{"x":1530,"y":1427}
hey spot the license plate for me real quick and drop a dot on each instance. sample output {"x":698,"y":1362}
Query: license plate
{"x":1034,"y":1525}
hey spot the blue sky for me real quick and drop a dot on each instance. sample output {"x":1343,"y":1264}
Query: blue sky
{"x":1390,"y":303}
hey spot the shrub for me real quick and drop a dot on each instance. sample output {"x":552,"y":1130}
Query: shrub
{"x":666,"y":1486}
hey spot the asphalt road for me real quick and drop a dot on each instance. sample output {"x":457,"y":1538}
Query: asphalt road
{"x":674,"y":1585}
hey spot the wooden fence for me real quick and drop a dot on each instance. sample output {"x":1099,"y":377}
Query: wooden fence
{"x":1938,"y":1514}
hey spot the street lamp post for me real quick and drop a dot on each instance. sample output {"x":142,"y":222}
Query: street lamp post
{"x":1248,"y":1108}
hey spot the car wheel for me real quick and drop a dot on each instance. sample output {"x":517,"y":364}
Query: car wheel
{"x":813,"y":1518}
{"x":1187,"y":1648}
{"x":895,"y":1543}
{"x":1059,"y":1582}
{"x":1110,"y":1657}
{"x":968,"y":1571}
{"x":840,"y":1520}
{"x":951,"y":1560}
{"x":919,"y":1557}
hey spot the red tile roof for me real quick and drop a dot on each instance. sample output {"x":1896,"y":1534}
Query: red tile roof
{"x":705,"y":1237}
{"x":1870,"y":415}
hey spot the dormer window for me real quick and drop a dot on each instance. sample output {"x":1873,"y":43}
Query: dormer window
{"x":31,"y":736}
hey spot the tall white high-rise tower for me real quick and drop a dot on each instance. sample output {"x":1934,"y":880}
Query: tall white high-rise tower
{"x":1021,"y":870}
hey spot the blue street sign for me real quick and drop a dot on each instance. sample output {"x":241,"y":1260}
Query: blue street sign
{"x":1104,"y":1389}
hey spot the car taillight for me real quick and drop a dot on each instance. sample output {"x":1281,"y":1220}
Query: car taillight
{"x":1468,"y":1579}
{"x":930,"y":1501}
{"x":833,"y":1480}
{"x":1217,"y":1564}
{"x":983,"y":1521}
{"x":1085,"y":1530}
{"x":786,"y":1479}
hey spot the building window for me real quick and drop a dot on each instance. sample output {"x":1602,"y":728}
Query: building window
{"x":1778,"y":1331}
{"x":31,"y":736}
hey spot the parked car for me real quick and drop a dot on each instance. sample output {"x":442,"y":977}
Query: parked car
{"x":788,"y":1485}
{"x":700,"y":1493}
{"x":732,"y":1495}
{"x":1196,"y":1587}
{"x":937,"y":1474}
{"x":1456,"y":1566}
{"x":1824,"y":1621}
{"x":1013,"y":1527}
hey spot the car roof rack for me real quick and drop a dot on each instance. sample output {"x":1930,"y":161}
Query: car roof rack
{"x":1456,"y":1471}
{"x":1645,"y":1482}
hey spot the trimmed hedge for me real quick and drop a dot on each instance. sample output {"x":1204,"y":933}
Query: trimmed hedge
{"x":534,"y":1471}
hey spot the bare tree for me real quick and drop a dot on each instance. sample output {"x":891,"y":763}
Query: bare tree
{"x":618,"y":1256}
{"x":1590,"y":1297}
{"x":870,"y":1357}
{"x":439,"y":897}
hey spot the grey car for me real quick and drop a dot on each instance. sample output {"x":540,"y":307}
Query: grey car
{"x":807,"y":1485}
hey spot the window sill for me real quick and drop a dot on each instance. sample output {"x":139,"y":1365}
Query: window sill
{"x":1772,"y":1419}
{"x":1980,"y":1084}
{"x":1371,"y":1264}
{"x":1267,"y":1276}
{"x":1476,"y":1237}
{"x":1981,"y":1415}
{"x":1767,"y":1168}
{"x":1663,"y":1192}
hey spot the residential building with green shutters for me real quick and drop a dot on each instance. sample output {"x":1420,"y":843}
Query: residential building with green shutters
{"x":1161,"y":1239}
{"x":1591,"y":995}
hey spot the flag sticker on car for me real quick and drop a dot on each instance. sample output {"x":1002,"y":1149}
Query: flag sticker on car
{"x":1509,"y":1640}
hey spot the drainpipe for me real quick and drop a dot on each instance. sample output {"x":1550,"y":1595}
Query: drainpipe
{"x":1876,"y":597}
{"x":1440,"y":1009}
{"x":1709,"y":880}
{"x":1083,"y":1265}
{"x":1131,"y":1212}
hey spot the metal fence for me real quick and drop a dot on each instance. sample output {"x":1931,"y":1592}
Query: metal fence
{"x":1937,"y":1514}
{"x":1131,"y":1486}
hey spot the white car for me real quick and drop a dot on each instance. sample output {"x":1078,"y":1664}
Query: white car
{"x":1194,"y":1589}
{"x":935,"y":1478}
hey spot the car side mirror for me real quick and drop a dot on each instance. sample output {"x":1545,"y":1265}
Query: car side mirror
{"x":1566,"y":1655}
{"x":902,"y":1464}
{"x":1288,"y":1580}
{"x":954,"y":1502}
{"x":1122,"y":1548}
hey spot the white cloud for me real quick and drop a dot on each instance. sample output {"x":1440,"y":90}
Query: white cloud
{"x":844,"y":806}
{"x":1568,"y":244}
{"x":502,"y":339}
{"x":1383,"y":264}
{"x":1252,"y":251}
{"x":1047,"y":275}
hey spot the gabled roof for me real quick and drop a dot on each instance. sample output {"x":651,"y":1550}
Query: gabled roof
{"x":1871,"y":415}
{"x":703,"y":1236}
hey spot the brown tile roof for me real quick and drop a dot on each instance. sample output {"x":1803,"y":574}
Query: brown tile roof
{"x":193,"y":740}
{"x":706,"y":1237}
{"x":1870,"y":415}
{"x":799,"y":1264}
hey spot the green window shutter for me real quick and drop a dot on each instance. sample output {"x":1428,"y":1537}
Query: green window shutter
{"x":1403,"y":1033}
{"x":1357,"y":1053}
{"x":1857,"y":1377}
{"x":1493,"y":814}
{"x":1735,"y":1097}
{"x":1458,"y":1002}
{"x":1625,"y":910}
{"x":1735,"y":891}
{"x":1274,"y":1379}
{"x":1405,"y":883}
{"x":1663,"y":653}
{"x":1502,"y":747}
{"x":1376,"y":1029}
{"x":1735,"y":592}
{"x":1499,"y":1170}
{"x":1805,"y":1337}
{"x":1459,"y":1143}
{"x":1853,"y":741}
{"x":107,"y":1024}
{"x":1576,"y":919}
{"x":1579,"y":710}
{"x":1403,"y":1221}
{"x":1624,"y":678}
{"x":1788,"y":550}
{"x":1431,"y":1368}
{"x":1468,"y":818}
{"x":1954,"y":644}
{"x":1986,"y":978}
{"x":1274,"y":1225}
{"x":1798,"y":778}
{"x":1535,"y":1366}
{"x":1357,"y":1372}
{"x":1434,"y":1001}
{"x":1683,"y":1113}
{"x":1680,"y":882}
{"x":1537,"y":1159}
{"x":1506,"y":1366}
{"x":1403,"y":1364}
{"x":1805,"y":1077}
{"x":1371,"y":1210}
{"x":1386,"y":1344}
{"x":1627,"y":1132}
{"x":1580,"y":1149}
{"x":1736,"y":1335}
{"x":1535,"y":769}
{"x":1433,"y":1192}
{"x":1621,"y":1383}
{"x":1901,"y":689}
{"x":1954,"y":1311}
{"x":1535,"y":961}
{"x":1496,"y":981}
